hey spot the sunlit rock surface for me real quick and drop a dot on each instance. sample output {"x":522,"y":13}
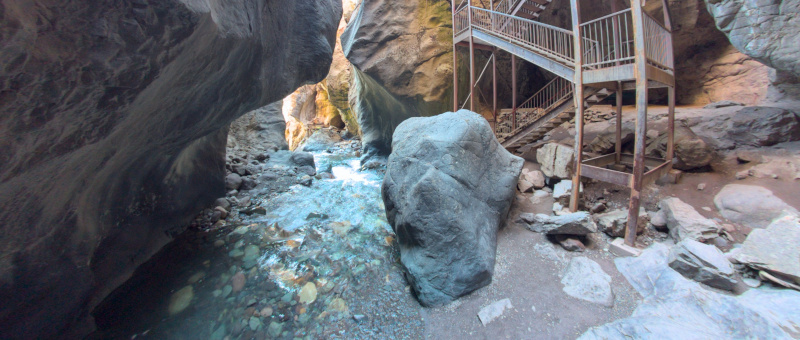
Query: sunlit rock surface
{"x":113,"y":131}
{"x":401,"y":52}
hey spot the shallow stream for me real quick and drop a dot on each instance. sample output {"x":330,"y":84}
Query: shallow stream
{"x":320,"y":263}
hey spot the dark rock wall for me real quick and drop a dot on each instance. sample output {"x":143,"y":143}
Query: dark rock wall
{"x":113,"y":132}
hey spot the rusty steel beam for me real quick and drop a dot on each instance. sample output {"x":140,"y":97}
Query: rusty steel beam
{"x":494,"y":85}
{"x":607,"y":175}
{"x":477,"y":46}
{"x":640,"y":75}
{"x":471,"y":60}
{"x":579,"y":103}
{"x":618,"y":146}
{"x":513,"y":92}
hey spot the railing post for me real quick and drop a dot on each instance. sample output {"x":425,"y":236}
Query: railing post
{"x":494,"y":85}
{"x":513,"y":92}
{"x":578,"y":98}
{"x":455,"y":61}
{"x":640,"y":75}
{"x":471,"y":59}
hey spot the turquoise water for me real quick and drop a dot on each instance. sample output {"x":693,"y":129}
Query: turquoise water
{"x":320,"y":264}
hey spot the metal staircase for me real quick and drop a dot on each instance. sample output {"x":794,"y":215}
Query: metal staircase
{"x":625,"y":50}
{"x":535,"y":123}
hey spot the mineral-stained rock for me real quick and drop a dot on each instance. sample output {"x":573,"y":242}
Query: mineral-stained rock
{"x":114,"y":126}
{"x":448,"y":187}
{"x":684,"y":221}
{"x":775,"y":249}
{"x":556,"y":160}
{"x":577,"y":223}
{"x":764,"y":126}
{"x":750,"y":205}
{"x":703,"y":263}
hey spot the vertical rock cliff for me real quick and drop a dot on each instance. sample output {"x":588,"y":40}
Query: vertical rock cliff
{"x":113,"y":132}
{"x":401,"y":52}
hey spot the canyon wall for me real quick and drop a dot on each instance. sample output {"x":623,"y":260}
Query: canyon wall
{"x":401,"y":52}
{"x":114,"y":130}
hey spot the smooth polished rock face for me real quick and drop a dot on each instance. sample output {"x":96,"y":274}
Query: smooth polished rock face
{"x":401,"y":52}
{"x":764,"y":30}
{"x":448,"y":187}
{"x":113,"y":131}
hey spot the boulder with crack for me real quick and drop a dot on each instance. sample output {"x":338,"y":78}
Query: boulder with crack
{"x":448,"y":188}
{"x":556,"y":160}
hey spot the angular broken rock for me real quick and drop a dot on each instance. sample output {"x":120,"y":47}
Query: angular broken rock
{"x":556,"y":160}
{"x":578,"y":223}
{"x":775,"y":249}
{"x":535,"y":178}
{"x":493,"y":311}
{"x":750,"y":205}
{"x":685,"y":222}
{"x":703,"y":263}
{"x":613,"y":223}
{"x":585,"y":280}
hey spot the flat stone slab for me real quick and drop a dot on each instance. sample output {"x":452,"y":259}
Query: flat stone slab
{"x":578,"y":223}
{"x":585,"y":280}
{"x":775,"y":249}
{"x":494,"y":310}
{"x":703,"y":263}
{"x":674,"y":307}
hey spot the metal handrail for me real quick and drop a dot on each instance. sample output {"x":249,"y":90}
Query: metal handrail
{"x":550,"y":40}
{"x":658,"y":44}
{"x":538,"y":105}
{"x":461,"y":21}
{"x":608,"y":34}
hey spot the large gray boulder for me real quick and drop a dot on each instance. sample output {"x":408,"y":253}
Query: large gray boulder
{"x":685,"y":222}
{"x":765,"y":30}
{"x":764,"y":126}
{"x":448,"y":187}
{"x":750,"y":205}
{"x":113,"y":129}
{"x":703,"y":263}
